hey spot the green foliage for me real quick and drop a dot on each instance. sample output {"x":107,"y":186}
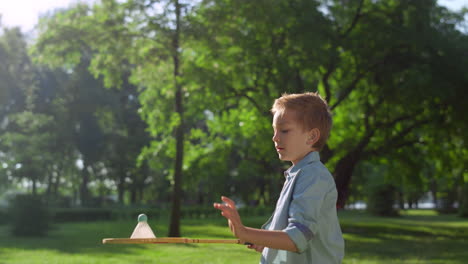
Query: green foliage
{"x":28,"y":216}
{"x":27,"y":145}
{"x":392,"y":71}
{"x":16,"y":73}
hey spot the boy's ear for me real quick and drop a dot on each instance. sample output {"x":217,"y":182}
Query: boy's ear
{"x":314,"y":136}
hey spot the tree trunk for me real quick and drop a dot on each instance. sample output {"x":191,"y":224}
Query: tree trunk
{"x":57,"y":181}
{"x":174,"y":229}
{"x":325,"y":154}
{"x":84,"y":192}
{"x":34,"y":188}
{"x":140,"y":193}
{"x":433,"y":188}
{"x":343,"y":173}
{"x":133,"y":194}
{"x":49,"y":187}
{"x":401,"y":200}
{"x":121,"y":185}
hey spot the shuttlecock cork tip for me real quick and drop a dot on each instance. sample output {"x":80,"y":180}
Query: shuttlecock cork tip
{"x":142,"y":218}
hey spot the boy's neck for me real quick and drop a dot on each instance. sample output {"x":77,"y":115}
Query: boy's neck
{"x":312,"y":150}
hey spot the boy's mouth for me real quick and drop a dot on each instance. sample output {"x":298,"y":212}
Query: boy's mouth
{"x":279,"y":148}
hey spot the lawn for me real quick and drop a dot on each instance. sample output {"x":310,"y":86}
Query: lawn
{"x":416,"y":237}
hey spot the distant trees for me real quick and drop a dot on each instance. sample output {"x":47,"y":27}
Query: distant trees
{"x":154,"y":31}
{"x":26,"y":135}
{"x":63,"y":117}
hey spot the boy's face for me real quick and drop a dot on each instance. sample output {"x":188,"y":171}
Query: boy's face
{"x":292,"y":142}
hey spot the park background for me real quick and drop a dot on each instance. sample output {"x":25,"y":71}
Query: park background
{"x":114,"y":108}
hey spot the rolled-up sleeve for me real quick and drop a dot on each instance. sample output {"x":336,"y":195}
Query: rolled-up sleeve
{"x":304,"y":210}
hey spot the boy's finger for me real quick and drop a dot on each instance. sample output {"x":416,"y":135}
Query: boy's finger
{"x":222,"y":207}
{"x":228,"y":201}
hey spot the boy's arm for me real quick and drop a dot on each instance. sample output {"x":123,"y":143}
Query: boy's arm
{"x":276,"y":239}
{"x":268,"y":238}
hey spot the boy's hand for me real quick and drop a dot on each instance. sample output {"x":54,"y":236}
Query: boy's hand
{"x":256,"y":248}
{"x":228,"y":210}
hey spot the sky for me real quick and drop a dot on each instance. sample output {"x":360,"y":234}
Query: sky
{"x":25,"y":13}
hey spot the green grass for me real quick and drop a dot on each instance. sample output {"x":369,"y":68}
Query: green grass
{"x":418,"y":236}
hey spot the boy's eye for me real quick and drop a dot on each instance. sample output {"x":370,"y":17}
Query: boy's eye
{"x":285,"y":131}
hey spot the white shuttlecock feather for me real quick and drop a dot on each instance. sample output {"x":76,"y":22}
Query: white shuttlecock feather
{"x":142,"y":230}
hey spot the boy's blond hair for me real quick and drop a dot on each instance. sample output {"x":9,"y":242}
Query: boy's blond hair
{"x":311,"y":112}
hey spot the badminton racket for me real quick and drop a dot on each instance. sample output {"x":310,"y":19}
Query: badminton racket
{"x":143,"y":234}
{"x":165,"y":240}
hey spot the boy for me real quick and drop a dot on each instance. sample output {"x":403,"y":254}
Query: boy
{"x":304,"y":227}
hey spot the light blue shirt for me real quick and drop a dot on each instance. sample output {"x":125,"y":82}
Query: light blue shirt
{"x":306,"y":211}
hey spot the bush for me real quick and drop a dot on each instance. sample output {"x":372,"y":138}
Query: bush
{"x":256,"y":211}
{"x":381,"y":200}
{"x":105,"y":214}
{"x":3,"y":217}
{"x":463,"y":208}
{"x":446,"y":202}
{"x":81,"y":214}
{"x":59,"y":202}
{"x":28,"y":216}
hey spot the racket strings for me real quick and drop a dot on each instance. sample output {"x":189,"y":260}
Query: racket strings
{"x":143,"y":230}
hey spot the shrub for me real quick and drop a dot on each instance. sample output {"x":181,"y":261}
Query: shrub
{"x":445,"y":204}
{"x":463,"y":208}
{"x":104,"y":214}
{"x":187,"y":212}
{"x":3,"y":217}
{"x":81,"y":214}
{"x":381,"y":200}
{"x":59,"y":202}
{"x":256,"y":211}
{"x":28,"y":216}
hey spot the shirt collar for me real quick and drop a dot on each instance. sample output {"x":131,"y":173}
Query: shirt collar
{"x":309,"y":158}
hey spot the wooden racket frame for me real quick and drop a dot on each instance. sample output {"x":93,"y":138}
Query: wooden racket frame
{"x":167,"y":240}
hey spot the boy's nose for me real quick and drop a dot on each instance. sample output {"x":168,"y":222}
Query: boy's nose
{"x":275,"y":137}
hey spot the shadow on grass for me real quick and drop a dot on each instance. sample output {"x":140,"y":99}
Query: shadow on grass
{"x":423,"y":238}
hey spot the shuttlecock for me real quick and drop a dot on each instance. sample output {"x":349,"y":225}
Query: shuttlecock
{"x":142,"y":230}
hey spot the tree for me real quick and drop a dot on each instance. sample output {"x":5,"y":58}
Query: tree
{"x":23,"y":134}
{"x":151,"y":33}
{"x":25,"y":144}
{"x":125,"y":136}
{"x":379,"y":64}
{"x":93,"y":111}
{"x":408,"y":59}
